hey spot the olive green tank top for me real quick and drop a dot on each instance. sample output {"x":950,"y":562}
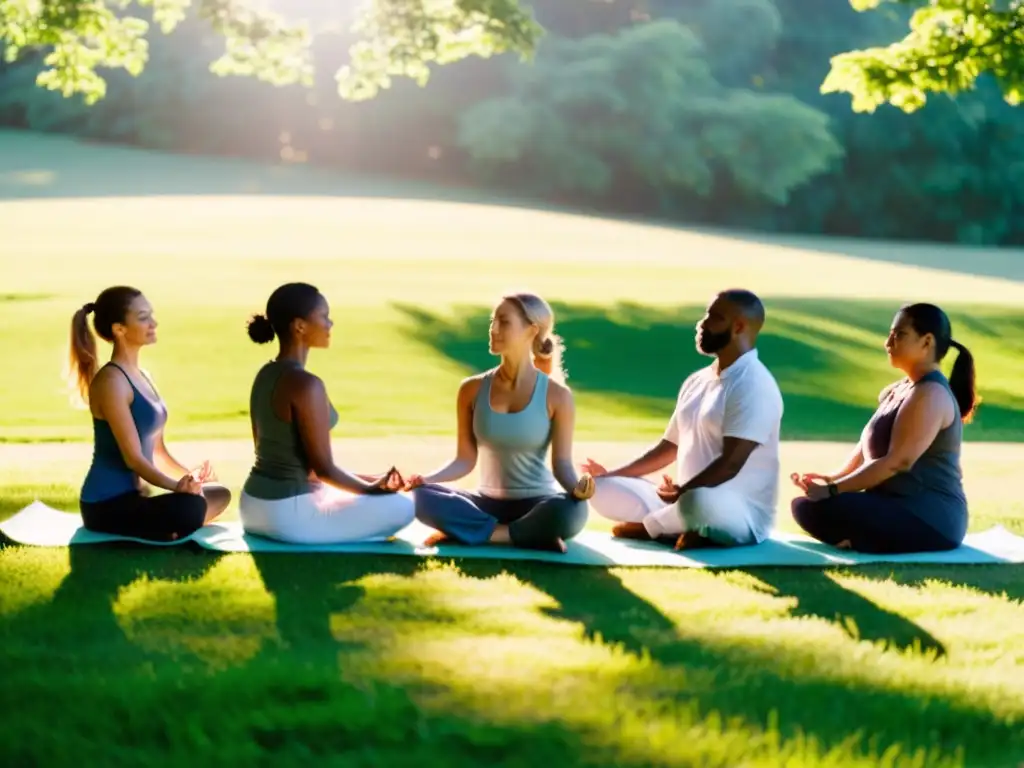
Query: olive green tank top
{"x":281,"y":469}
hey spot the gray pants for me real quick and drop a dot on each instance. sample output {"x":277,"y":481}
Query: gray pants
{"x":470,"y":518}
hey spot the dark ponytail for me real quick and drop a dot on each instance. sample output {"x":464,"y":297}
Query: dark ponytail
{"x":110,"y":307}
{"x":286,"y":303}
{"x":928,"y":318}
{"x":260,"y":330}
{"x":961,"y":381}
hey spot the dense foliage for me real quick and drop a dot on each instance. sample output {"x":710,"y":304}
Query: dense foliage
{"x":699,"y":111}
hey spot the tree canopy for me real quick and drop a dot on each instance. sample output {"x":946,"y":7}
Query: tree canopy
{"x":951,"y":43}
{"x":394,"y":38}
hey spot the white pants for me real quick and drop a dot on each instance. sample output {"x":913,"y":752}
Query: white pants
{"x":327,"y":516}
{"x":718,"y":514}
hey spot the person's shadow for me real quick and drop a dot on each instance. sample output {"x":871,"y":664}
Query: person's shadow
{"x":308,"y":588}
{"x":82,"y":606}
{"x":754,"y":679}
{"x":819,"y":596}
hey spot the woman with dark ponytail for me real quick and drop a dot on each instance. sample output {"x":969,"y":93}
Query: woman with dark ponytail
{"x":295,"y":492}
{"x":901,"y":490}
{"x":128,"y":417}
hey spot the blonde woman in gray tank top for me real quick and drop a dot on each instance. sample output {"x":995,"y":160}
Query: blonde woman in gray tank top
{"x":508,"y":419}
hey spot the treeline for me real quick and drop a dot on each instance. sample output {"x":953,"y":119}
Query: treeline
{"x":699,"y":111}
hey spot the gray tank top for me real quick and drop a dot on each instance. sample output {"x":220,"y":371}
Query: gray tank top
{"x":512,"y":447}
{"x":933,"y":487}
{"x":281,"y":470}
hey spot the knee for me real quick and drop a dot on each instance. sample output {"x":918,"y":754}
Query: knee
{"x":217,"y":498}
{"x":192,"y":514}
{"x":718,"y":516}
{"x":573,"y":512}
{"x":424,"y":502}
{"x":803,"y":511}
{"x":619,"y":498}
{"x":399,"y":509}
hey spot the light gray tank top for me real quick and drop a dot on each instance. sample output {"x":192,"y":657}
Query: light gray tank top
{"x":512,"y":447}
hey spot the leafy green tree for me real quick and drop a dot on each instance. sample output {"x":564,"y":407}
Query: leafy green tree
{"x":950,"y":44}
{"x":641,"y":110}
{"x":394,"y":38}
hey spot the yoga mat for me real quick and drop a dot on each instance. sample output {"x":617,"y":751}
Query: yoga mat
{"x":40,"y":525}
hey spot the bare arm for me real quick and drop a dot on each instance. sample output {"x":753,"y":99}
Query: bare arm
{"x":563,"y":423}
{"x":164,"y":461}
{"x":853,"y":463}
{"x":918,"y":422}
{"x":465,"y":446}
{"x":735,"y":453}
{"x":312,"y":416}
{"x":654,"y":459}
{"x":111,"y":395}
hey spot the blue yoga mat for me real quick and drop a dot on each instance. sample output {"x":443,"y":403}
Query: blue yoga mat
{"x":42,"y":526}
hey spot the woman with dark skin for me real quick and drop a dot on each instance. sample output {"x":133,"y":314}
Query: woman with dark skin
{"x":128,"y":417}
{"x":901,"y":489}
{"x":295,"y":492}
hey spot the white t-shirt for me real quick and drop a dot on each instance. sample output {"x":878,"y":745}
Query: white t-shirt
{"x":743,"y":402}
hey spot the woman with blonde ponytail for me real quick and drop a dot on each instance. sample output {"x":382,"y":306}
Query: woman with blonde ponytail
{"x":128,"y":417}
{"x":508,"y":419}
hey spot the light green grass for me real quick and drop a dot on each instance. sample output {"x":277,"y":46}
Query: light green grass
{"x":411,"y":284}
{"x":179,"y":658}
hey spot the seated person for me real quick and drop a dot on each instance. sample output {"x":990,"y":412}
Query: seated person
{"x":128,"y":418}
{"x":902,"y":490}
{"x":295,"y":492}
{"x":508,"y":417}
{"x":724,"y":436}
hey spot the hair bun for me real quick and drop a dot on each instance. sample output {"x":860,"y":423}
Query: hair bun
{"x":546,"y":348}
{"x":260,"y":329}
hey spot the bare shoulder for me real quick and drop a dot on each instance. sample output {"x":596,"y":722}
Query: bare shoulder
{"x":470,"y":386}
{"x":303,"y":385}
{"x":558,"y":393}
{"x":109,"y":381}
{"x":929,"y":394}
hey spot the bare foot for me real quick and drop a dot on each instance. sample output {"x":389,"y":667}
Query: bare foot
{"x":500,"y":535}
{"x":555,"y":545}
{"x":631,"y":531}
{"x":436,"y":538}
{"x":693,"y":540}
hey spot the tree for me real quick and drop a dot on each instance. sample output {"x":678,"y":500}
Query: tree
{"x":951,"y":44}
{"x":395,"y":38}
{"x":640,"y":112}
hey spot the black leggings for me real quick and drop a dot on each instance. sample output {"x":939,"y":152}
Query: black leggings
{"x":165,"y":517}
{"x":871,"y":522}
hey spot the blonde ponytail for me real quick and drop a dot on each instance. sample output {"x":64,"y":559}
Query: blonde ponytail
{"x":547,"y":356}
{"x":548,"y":347}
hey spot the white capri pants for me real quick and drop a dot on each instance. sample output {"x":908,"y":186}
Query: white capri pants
{"x":718,"y":514}
{"x":326,"y":516}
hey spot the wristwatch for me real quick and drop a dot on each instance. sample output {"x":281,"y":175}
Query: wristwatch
{"x":833,"y":489}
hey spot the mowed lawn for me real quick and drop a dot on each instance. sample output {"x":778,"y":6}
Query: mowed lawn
{"x":176,"y":657}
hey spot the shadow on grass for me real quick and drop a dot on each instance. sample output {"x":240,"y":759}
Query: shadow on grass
{"x":755,"y":686}
{"x":82,"y":607}
{"x":1001,"y":581}
{"x":295,"y":699}
{"x":1004,"y":263}
{"x":826,"y":355}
